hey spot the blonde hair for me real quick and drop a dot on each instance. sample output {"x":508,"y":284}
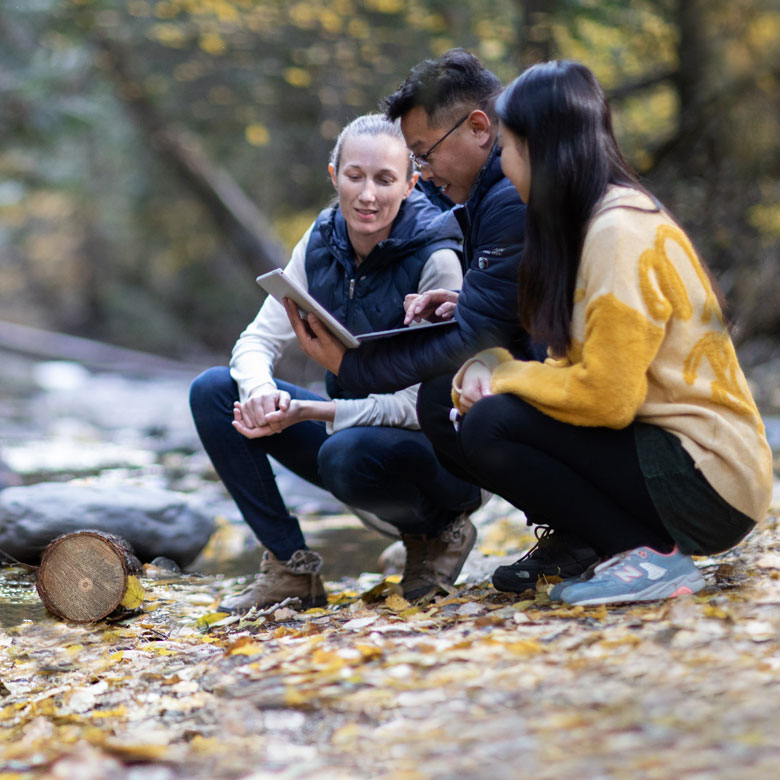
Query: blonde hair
{"x":369,"y":124}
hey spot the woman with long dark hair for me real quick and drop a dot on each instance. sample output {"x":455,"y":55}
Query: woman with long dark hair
{"x":639,"y":434}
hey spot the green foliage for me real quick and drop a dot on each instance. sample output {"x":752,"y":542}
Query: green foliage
{"x":97,"y":230}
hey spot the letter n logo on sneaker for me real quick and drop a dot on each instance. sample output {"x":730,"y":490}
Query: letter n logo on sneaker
{"x":653,"y":572}
{"x":628,"y":573}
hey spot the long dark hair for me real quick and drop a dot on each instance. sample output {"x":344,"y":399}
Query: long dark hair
{"x":560,"y":110}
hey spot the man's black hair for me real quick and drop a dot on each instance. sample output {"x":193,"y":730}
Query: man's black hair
{"x":456,"y":80}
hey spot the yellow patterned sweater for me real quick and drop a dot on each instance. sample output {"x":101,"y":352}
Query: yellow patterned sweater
{"x":649,"y":344}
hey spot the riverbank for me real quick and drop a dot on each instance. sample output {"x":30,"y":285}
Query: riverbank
{"x":474,"y":684}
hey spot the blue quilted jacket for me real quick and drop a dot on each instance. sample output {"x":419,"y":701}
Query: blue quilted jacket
{"x":370,"y":297}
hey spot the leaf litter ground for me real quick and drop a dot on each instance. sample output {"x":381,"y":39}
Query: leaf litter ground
{"x":474,"y":684}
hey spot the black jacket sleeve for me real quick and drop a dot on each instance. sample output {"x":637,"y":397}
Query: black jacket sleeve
{"x":486,"y":312}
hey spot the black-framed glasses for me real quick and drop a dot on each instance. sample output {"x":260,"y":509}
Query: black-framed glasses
{"x":421,"y":160}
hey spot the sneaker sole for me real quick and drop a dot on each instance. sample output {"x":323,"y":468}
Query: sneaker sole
{"x":679,"y":586}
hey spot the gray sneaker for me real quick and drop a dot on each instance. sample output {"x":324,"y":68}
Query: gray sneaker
{"x":642,"y":574}
{"x":556,"y":592}
{"x":434,"y":562}
{"x":296,"y":578}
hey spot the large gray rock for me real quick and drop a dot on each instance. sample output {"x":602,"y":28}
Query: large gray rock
{"x":7,"y":475}
{"x":155,"y":522}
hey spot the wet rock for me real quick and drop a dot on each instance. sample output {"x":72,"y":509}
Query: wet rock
{"x":393,"y":559}
{"x":155,"y":522}
{"x":8,"y":477}
{"x":479,"y":568}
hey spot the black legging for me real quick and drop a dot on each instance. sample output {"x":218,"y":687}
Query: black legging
{"x":579,"y":480}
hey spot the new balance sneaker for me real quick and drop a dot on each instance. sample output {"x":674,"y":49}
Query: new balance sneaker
{"x":556,"y":591}
{"x":642,"y":574}
{"x":434,"y":562}
{"x":297,"y":577}
{"x":555,"y":554}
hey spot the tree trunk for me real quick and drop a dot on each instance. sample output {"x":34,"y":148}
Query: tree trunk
{"x":49,"y":345}
{"x":236,"y":216}
{"x":538,"y":44}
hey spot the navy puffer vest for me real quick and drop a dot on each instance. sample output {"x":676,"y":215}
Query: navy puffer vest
{"x":370,"y":297}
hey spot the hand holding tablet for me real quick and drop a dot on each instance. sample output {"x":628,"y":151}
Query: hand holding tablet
{"x":280,"y":286}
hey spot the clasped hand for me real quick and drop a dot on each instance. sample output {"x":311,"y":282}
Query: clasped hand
{"x":267,"y":413}
{"x":475,"y":384}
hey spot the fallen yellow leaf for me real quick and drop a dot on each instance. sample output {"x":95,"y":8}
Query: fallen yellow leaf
{"x":397,"y":603}
{"x":134,"y":593}
{"x":135,"y":752}
{"x":524,"y":647}
{"x":326,"y":660}
{"x":117,"y":712}
{"x":369,"y":651}
{"x":293,"y":697}
{"x":244,"y":646}
{"x":205,"y":621}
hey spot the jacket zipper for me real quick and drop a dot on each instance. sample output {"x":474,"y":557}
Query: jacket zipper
{"x":351,"y":289}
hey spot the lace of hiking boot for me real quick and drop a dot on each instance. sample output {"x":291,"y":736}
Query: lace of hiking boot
{"x":267,"y":564}
{"x":304,"y":562}
{"x":453,"y":533}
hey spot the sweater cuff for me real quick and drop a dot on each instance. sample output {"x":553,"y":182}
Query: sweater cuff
{"x":491,"y":358}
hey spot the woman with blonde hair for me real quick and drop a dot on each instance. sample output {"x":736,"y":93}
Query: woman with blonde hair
{"x":381,"y":241}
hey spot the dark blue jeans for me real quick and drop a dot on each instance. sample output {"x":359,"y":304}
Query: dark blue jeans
{"x":392,"y":472}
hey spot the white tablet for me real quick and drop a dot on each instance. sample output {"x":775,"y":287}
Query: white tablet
{"x":278,"y":284}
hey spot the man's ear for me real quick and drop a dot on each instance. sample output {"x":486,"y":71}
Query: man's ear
{"x":332,"y":172}
{"x":410,"y":184}
{"x":480,"y":125}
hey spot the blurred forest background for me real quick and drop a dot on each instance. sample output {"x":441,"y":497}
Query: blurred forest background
{"x":156,"y":155}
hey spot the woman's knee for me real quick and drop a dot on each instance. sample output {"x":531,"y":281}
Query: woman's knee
{"x":478,"y":426}
{"x":491,"y":422}
{"x":214,"y":388}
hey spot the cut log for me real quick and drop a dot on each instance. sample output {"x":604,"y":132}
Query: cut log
{"x":84,"y":576}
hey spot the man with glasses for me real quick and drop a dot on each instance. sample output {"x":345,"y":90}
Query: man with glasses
{"x":449,"y":124}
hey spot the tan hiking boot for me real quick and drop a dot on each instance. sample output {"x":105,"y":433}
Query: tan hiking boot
{"x":434,"y":562}
{"x":296,"y":578}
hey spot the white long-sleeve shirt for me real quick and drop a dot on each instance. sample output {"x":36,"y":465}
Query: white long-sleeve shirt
{"x":260,"y":345}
